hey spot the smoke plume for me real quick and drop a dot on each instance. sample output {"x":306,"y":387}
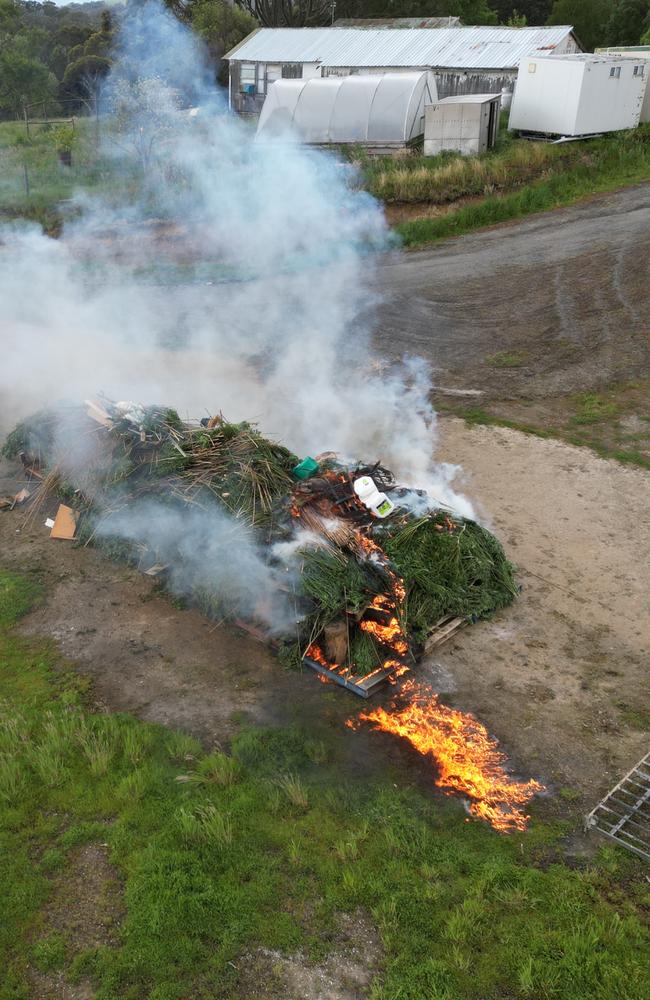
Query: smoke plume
{"x":219,"y":273}
{"x":207,"y":552}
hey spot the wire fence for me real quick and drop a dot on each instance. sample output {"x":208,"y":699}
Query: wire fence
{"x":50,"y":152}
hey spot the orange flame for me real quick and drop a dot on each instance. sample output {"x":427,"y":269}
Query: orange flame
{"x":390,"y":633}
{"x":316,"y":654}
{"x":468,"y":759}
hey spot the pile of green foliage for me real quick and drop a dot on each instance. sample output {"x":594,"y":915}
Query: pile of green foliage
{"x":427,"y":567}
{"x":450,"y":566}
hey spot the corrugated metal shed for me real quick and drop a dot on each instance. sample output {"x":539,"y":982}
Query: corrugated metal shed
{"x":448,"y":48}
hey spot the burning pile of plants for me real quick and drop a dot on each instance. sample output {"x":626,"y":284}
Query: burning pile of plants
{"x":367,"y":567}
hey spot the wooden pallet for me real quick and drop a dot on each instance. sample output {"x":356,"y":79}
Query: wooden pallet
{"x":364,"y":686}
{"x":443,"y":630}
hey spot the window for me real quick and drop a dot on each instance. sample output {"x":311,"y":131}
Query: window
{"x":639,"y":71}
{"x":292,"y":71}
{"x":247,"y":73}
{"x":615,"y":72}
{"x":532,"y":67}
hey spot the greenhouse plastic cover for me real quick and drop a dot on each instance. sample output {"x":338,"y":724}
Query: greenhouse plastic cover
{"x":385,"y":108}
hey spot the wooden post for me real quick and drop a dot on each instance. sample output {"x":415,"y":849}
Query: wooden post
{"x":26,"y":120}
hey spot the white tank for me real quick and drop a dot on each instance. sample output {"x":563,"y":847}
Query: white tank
{"x":366,"y":489}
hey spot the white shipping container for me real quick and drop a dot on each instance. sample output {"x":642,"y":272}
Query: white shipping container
{"x":637,"y":53}
{"x":578,"y":94}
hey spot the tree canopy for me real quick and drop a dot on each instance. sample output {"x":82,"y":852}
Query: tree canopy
{"x":629,"y":21}
{"x":588,"y":17}
{"x":39,"y":43}
{"x":23,"y":81}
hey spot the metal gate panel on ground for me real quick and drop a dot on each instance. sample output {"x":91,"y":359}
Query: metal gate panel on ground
{"x":624,"y":814}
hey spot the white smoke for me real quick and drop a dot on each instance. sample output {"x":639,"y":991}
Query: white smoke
{"x":276,"y":336}
{"x":208,"y":552}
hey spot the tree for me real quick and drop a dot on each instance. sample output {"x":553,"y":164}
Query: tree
{"x":469,"y":11}
{"x":143,"y":112}
{"x":588,"y":17}
{"x":475,"y":12}
{"x":536,"y":12}
{"x":23,"y":81}
{"x":289,"y":13}
{"x":517,"y":20}
{"x":628,"y":22}
{"x":83,"y":78}
{"x":222,"y":26}
{"x":391,"y":8}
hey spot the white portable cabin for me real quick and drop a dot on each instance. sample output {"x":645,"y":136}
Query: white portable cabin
{"x":577,"y":95}
{"x":636,"y":52}
{"x":382,"y":112}
{"x":467,"y":124}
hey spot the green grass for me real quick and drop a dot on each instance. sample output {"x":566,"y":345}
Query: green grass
{"x":507,"y":359}
{"x":598,"y":166}
{"x":605,"y":449}
{"x":450,"y":176}
{"x":214,"y":867}
{"x":634,"y":717}
{"x":34,"y":185}
{"x":593,"y":408}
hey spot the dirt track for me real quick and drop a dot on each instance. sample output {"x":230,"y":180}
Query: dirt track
{"x":568,"y":289}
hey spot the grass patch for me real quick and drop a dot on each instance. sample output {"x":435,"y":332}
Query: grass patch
{"x":34,"y":185}
{"x":49,"y":953}
{"x":635,"y":718}
{"x":216,"y":867}
{"x":593,"y":408}
{"x":507,"y":359}
{"x":594,"y":426}
{"x":598,"y":166}
{"x":449,"y":176}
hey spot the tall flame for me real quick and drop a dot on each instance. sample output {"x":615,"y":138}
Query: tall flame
{"x":468,"y":759}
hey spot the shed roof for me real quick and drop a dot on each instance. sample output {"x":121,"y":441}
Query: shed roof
{"x":396,"y":22}
{"x":586,"y":57}
{"x":449,"y":48}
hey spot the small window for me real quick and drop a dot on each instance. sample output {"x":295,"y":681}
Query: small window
{"x":292,"y":71}
{"x":247,"y":73}
{"x":615,"y":72}
{"x":532,"y":67}
{"x":639,"y":71}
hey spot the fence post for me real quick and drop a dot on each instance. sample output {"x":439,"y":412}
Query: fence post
{"x":26,"y":120}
